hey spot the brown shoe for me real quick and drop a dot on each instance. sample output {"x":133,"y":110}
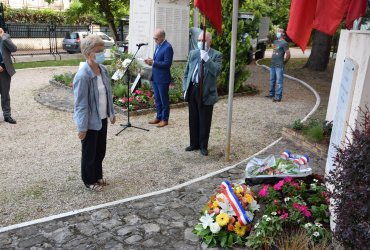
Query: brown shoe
{"x":155,"y":121}
{"x":162,"y":124}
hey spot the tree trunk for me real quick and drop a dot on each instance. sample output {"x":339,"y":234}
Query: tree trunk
{"x":106,"y":9}
{"x":320,"y":52}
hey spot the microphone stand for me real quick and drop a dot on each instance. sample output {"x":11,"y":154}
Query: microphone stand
{"x":128,"y":124}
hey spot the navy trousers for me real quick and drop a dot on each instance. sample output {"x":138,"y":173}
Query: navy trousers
{"x":162,"y":100}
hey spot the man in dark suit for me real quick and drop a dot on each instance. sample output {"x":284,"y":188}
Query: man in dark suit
{"x":6,"y":72}
{"x":161,"y":77}
{"x":201,"y":109}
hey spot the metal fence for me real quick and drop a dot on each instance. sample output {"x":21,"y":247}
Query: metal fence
{"x":40,"y":39}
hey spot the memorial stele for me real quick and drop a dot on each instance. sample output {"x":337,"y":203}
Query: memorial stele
{"x":170,"y":15}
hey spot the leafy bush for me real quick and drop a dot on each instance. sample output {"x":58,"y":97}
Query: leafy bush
{"x":314,"y":129}
{"x":350,"y":181}
{"x":65,"y":78}
{"x":222,"y":43}
{"x":297,"y":125}
{"x":292,"y":204}
{"x":119,"y":90}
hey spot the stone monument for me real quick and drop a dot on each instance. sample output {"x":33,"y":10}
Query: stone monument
{"x":170,"y":15}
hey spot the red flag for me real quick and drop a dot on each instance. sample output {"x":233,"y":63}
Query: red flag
{"x":212,"y":10}
{"x":357,"y":8}
{"x":302,"y":14}
{"x":329,"y":15}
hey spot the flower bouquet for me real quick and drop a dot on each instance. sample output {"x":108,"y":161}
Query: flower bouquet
{"x":292,"y":204}
{"x":227,"y":217}
{"x":271,"y":169}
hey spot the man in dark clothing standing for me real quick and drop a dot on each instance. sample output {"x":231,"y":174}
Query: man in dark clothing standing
{"x":201,"y":109}
{"x":6,"y":72}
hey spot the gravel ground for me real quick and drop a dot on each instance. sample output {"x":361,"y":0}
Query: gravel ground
{"x":40,"y":155}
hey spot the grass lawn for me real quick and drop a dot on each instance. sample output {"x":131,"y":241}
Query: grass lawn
{"x":56,"y":63}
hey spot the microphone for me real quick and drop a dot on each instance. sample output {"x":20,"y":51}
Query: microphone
{"x":141,"y":44}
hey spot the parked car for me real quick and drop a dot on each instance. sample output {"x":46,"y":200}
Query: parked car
{"x":108,"y":41}
{"x":72,"y":41}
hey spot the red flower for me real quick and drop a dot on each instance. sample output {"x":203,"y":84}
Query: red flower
{"x":278,"y":185}
{"x":148,"y":93}
{"x":138,"y":92}
{"x":284,"y":216}
{"x":264,"y":191}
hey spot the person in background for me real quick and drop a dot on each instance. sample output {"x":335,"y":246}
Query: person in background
{"x":93,"y":106}
{"x":161,"y":77}
{"x":201,"y":109}
{"x":193,"y":38}
{"x":6,"y":72}
{"x":280,"y":56}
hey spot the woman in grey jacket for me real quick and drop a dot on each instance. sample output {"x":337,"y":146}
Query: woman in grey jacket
{"x":93,"y":106}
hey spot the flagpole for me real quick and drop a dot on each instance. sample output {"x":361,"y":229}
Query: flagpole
{"x":234,"y":32}
{"x":202,"y":63}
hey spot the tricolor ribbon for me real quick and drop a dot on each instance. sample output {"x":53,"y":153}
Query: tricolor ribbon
{"x":286,"y":155}
{"x":235,"y":204}
{"x":302,"y":160}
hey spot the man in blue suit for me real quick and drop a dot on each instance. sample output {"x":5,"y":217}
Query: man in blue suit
{"x":161,"y":77}
{"x":201,"y":109}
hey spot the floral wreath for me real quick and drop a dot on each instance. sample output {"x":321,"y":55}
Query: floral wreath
{"x":227,"y":217}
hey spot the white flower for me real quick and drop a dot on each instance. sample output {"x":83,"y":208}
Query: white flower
{"x":264,"y":216}
{"x":315,"y":180}
{"x":215,"y":228}
{"x":226,"y":208}
{"x":273,"y":213}
{"x":313,"y":186}
{"x":268,"y":219}
{"x":318,"y":224}
{"x":255,"y":226}
{"x":250,"y":215}
{"x":254,"y":206}
{"x":307,"y":225}
{"x":207,"y":219}
{"x":286,"y":199}
{"x":316,"y":234}
{"x":258,"y":234}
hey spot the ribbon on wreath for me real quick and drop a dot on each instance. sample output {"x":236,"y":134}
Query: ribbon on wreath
{"x":300,"y":161}
{"x":235,"y":203}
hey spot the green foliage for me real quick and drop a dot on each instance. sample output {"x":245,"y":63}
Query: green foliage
{"x":119,"y":90}
{"x":297,"y":125}
{"x":222,"y":43}
{"x":65,"y":78}
{"x":292,"y":204}
{"x":34,"y":16}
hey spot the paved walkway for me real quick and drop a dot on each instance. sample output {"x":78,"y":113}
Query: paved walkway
{"x":159,"y":220}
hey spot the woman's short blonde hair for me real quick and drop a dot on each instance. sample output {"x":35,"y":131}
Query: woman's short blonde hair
{"x":89,"y":43}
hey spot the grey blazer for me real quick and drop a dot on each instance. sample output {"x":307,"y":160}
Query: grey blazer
{"x":7,"y":47}
{"x":212,"y":69}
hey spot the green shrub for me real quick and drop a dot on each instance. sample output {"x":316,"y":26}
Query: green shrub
{"x":119,"y":90}
{"x":315,"y":133}
{"x":297,"y":125}
{"x":65,"y":78}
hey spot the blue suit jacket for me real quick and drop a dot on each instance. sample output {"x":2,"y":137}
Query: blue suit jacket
{"x":162,"y":62}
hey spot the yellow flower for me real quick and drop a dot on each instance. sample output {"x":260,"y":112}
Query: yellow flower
{"x":215,"y":204}
{"x":239,"y":229}
{"x":249,"y":198}
{"x":222,"y":219}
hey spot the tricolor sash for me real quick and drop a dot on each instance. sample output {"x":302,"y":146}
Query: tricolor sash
{"x":235,"y":204}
